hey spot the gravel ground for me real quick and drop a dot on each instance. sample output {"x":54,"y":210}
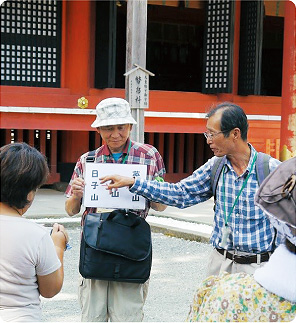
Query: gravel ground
{"x":178,"y":268}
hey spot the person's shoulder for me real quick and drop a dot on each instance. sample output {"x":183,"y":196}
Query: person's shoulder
{"x":31,"y":227}
{"x":209,"y":168}
{"x":273,"y":162}
{"x":212,"y":161}
{"x":38,"y":227}
{"x":97,"y":151}
{"x":146,"y":149}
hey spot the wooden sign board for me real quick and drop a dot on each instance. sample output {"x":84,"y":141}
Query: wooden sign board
{"x":139,"y":89}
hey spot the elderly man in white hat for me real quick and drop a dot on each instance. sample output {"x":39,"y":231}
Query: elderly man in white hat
{"x":110,"y":300}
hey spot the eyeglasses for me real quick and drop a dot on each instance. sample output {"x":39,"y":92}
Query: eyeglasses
{"x":210,"y":135}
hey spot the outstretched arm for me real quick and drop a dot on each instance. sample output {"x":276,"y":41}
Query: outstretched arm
{"x":117,"y":181}
{"x":185,"y":193}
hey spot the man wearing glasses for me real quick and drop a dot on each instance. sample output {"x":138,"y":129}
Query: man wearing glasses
{"x":242,"y":237}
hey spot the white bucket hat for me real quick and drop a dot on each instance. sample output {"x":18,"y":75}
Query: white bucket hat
{"x":113,"y":111}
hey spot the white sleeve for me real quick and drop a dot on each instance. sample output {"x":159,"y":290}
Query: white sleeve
{"x":47,"y":259}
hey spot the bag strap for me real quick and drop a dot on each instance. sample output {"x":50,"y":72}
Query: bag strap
{"x":215,"y":173}
{"x":91,"y":156}
{"x":262,"y":167}
{"x":262,"y":170}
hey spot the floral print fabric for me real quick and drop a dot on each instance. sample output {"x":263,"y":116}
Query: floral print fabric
{"x":238,"y":298}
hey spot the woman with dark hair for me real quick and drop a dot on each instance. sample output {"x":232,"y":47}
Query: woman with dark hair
{"x":31,"y":261}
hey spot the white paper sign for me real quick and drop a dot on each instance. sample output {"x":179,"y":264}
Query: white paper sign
{"x":96,"y":195}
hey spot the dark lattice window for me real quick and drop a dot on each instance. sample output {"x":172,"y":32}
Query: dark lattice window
{"x":30,"y":43}
{"x":217,"y":73}
{"x":251,"y":36}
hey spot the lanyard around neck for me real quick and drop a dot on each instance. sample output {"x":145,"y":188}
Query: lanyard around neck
{"x":128,"y":150}
{"x":226,"y":217}
{"x":126,"y":156}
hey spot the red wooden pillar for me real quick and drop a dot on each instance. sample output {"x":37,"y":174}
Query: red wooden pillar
{"x":171,"y":149}
{"x":77,"y":71}
{"x":74,"y":144}
{"x":161,"y":144}
{"x":190,"y":153}
{"x":7,"y":136}
{"x":42,"y":134}
{"x":53,"y":149}
{"x":19,"y":135}
{"x":54,"y":176}
{"x":78,"y":46}
{"x":288,"y":122}
{"x":150,"y":138}
{"x":31,"y":138}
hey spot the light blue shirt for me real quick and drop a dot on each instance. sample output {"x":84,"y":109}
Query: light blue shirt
{"x":116,"y":156}
{"x":251,"y":230}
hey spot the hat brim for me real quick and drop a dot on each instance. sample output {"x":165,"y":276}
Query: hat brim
{"x":112,"y":122}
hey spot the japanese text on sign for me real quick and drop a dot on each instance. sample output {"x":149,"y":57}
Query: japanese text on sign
{"x":139,"y":89}
{"x":96,"y":195}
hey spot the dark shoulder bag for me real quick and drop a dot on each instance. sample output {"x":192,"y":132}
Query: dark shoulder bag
{"x":116,"y":246}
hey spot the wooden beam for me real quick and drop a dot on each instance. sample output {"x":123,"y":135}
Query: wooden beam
{"x":136,"y":34}
{"x":7,"y":136}
{"x":42,"y":136}
{"x":19,"y":135}
{"x":171,"y":149}
{"x":190,"y":153}
{"x":180,"y":150}
{"x":53,"y":148}
{"x":32,"y":138}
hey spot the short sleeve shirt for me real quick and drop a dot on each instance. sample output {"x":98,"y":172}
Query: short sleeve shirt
{"x":26,"y":250}
{"x":138,"y":154}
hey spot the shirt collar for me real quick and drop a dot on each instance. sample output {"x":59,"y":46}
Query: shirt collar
{"x":253,"y":152}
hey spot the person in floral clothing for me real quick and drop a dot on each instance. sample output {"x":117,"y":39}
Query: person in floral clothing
{"x":238,"y":298}
{"x":270,"y":294}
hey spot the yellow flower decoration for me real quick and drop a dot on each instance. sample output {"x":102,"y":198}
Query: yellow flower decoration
{"x":83,"y":102}
{"x":263,"y":318}
{"x":259,"y":293}
{"x":285,"y":306}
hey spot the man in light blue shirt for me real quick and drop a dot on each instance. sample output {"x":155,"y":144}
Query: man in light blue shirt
{"x":242,"y":237}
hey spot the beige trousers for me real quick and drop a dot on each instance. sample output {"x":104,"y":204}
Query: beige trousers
{"x":218,"y":263}
{"x":103,"y":301}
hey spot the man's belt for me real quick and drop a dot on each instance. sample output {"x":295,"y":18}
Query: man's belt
{"x":245,"y":259}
